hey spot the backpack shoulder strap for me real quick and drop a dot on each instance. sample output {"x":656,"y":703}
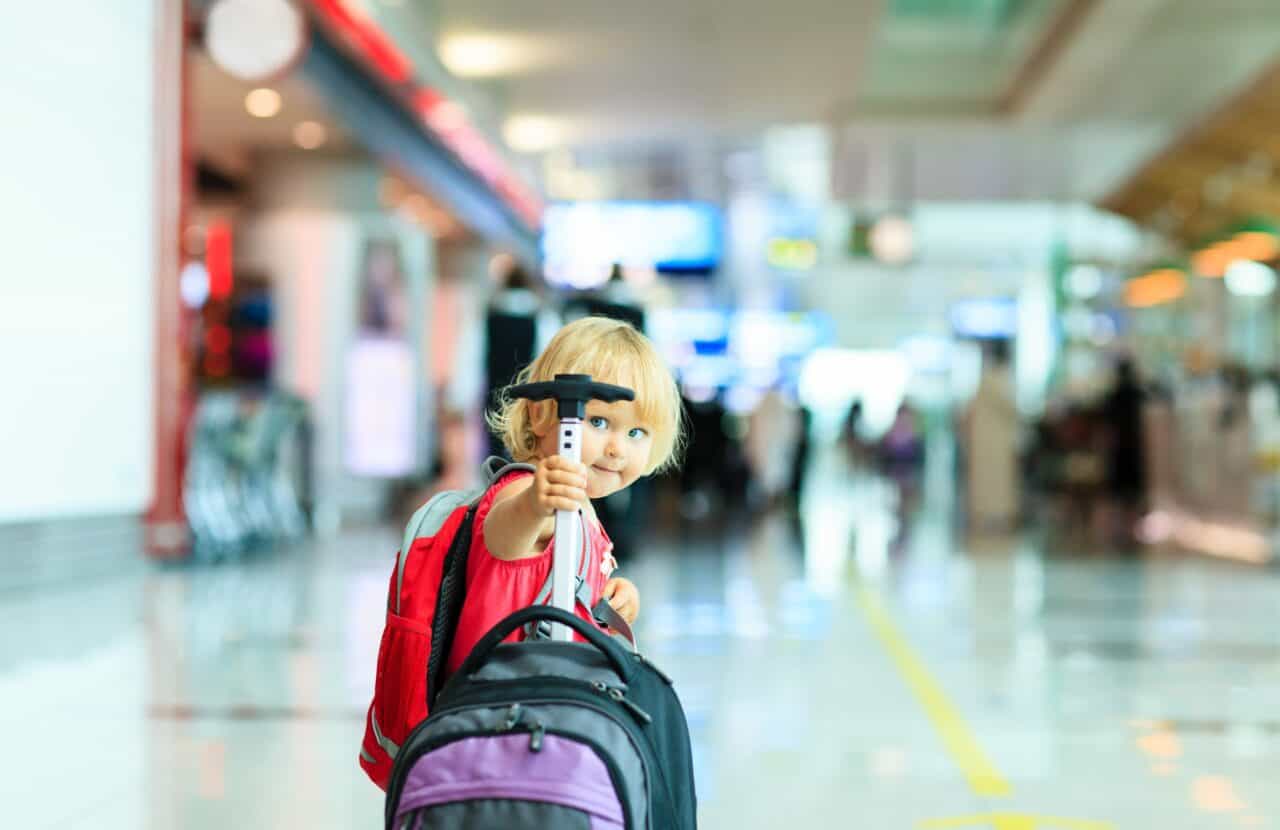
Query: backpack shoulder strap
{"x":495,"y":468}
{"x":426,"y":521}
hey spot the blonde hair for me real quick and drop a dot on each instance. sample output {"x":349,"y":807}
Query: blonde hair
{"x":610,"y":351}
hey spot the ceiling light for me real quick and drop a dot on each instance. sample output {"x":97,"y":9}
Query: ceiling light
{"x":263,"y":102}
{"x":485,"y":56}
{"x":193,"y":284}
{"x":1258,"y":245}
{"x":1246,"y":278}
{"x":309,"y":134}
{"x":892,"y":240}
{"x":533,"y":133}
{"x":1084,"y":282}
{"x":254,"y":39}
{"x":1155,"y":288}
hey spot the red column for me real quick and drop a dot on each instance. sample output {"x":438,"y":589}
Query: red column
{"x":167,"y":534}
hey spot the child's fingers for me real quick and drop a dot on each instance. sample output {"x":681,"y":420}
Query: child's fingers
{"x":565,"y":477}
{"x":567,"y":492}
{"x":559,"y":465}
{"x":626,"y":605}
{"x":559,"y":462}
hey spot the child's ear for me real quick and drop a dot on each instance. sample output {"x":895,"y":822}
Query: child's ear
{"x":542,"y":418}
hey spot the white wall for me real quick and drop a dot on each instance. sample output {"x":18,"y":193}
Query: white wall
{"x":76,"y":223}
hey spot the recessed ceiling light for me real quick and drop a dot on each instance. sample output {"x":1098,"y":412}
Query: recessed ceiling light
{"x":486,"y":55}
{"x":533,"y":133}
{"x":309,"y":134}
{"x":263,"y":102}
{"x":254,"y":39}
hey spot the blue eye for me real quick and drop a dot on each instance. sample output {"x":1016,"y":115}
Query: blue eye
{"x":598,"y":422}
{"x":638,"y":433}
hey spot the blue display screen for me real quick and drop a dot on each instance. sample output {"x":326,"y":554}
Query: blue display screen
{"x":582,"y":239}
{"x":985,"y":318}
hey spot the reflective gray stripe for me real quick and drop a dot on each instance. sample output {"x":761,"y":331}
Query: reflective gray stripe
{"x":364,"y":753}
{"x":392,"y":748}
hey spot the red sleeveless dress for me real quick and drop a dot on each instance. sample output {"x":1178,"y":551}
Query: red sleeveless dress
{"x":498,"y":587}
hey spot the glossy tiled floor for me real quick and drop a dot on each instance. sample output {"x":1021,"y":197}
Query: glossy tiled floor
{"x":842,"y":673}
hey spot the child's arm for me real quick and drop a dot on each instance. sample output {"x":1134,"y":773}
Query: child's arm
{"x":523,"y":512}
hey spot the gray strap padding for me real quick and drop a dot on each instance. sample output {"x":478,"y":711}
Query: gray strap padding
{"x":494,"y":468}
{"x":427,"y":521}
{"x":429,"y":518}
{"x":606,"y":615}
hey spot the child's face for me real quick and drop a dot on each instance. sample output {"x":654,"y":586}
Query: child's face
{"x":615,"y":446}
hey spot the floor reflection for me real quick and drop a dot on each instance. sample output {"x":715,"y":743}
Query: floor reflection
{"x":1132,"y":690}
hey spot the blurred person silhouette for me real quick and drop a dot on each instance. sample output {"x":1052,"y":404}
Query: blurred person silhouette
{"x":615,"y":300}
{"x":856,"y":447}
{"x":1126,"y":466}
{"x":800,"y":457}
{"x":991,"y":438}
{"x":711,"y":459}
{"x":510,"y":335}
{"x":626,"y":511}
{"x":901,"y":455}
{"x":772,"y":435}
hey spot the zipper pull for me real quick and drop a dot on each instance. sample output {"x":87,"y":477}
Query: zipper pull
{"x":513,"y":717}
{"x":617,"y":696}
{"x":535,"y":737}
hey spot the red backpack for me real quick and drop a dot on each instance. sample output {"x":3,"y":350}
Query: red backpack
{"x":424,"y":601}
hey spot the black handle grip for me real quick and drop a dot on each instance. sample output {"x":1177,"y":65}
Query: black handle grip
{"x":572,"y":392}
{"x":538,"y":613}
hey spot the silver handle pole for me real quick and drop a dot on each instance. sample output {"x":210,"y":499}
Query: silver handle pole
{"x":568,"y":535}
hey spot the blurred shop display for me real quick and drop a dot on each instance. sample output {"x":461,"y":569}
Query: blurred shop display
{"x":247,"y":474}
{"x":381,"y":407}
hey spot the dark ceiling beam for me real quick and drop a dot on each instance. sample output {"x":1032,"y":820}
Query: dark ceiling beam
{"x":1048,"y":50}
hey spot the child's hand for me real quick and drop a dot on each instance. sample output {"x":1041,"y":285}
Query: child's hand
{"x":558,"y":484}
{"x":624,"y":598}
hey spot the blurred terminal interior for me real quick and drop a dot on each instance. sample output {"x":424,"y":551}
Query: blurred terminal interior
{"x":280,"y":255}
{"x":270,"y":260}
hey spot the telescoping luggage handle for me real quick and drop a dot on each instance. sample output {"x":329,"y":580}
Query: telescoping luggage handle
{"x":571,"y":393}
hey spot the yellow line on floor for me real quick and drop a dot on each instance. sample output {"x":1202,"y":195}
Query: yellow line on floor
{"x":1014,"y":821}
{"x":984,"y":779}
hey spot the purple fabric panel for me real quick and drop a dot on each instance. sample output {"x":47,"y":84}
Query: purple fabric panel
{"x":502,"y":766}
